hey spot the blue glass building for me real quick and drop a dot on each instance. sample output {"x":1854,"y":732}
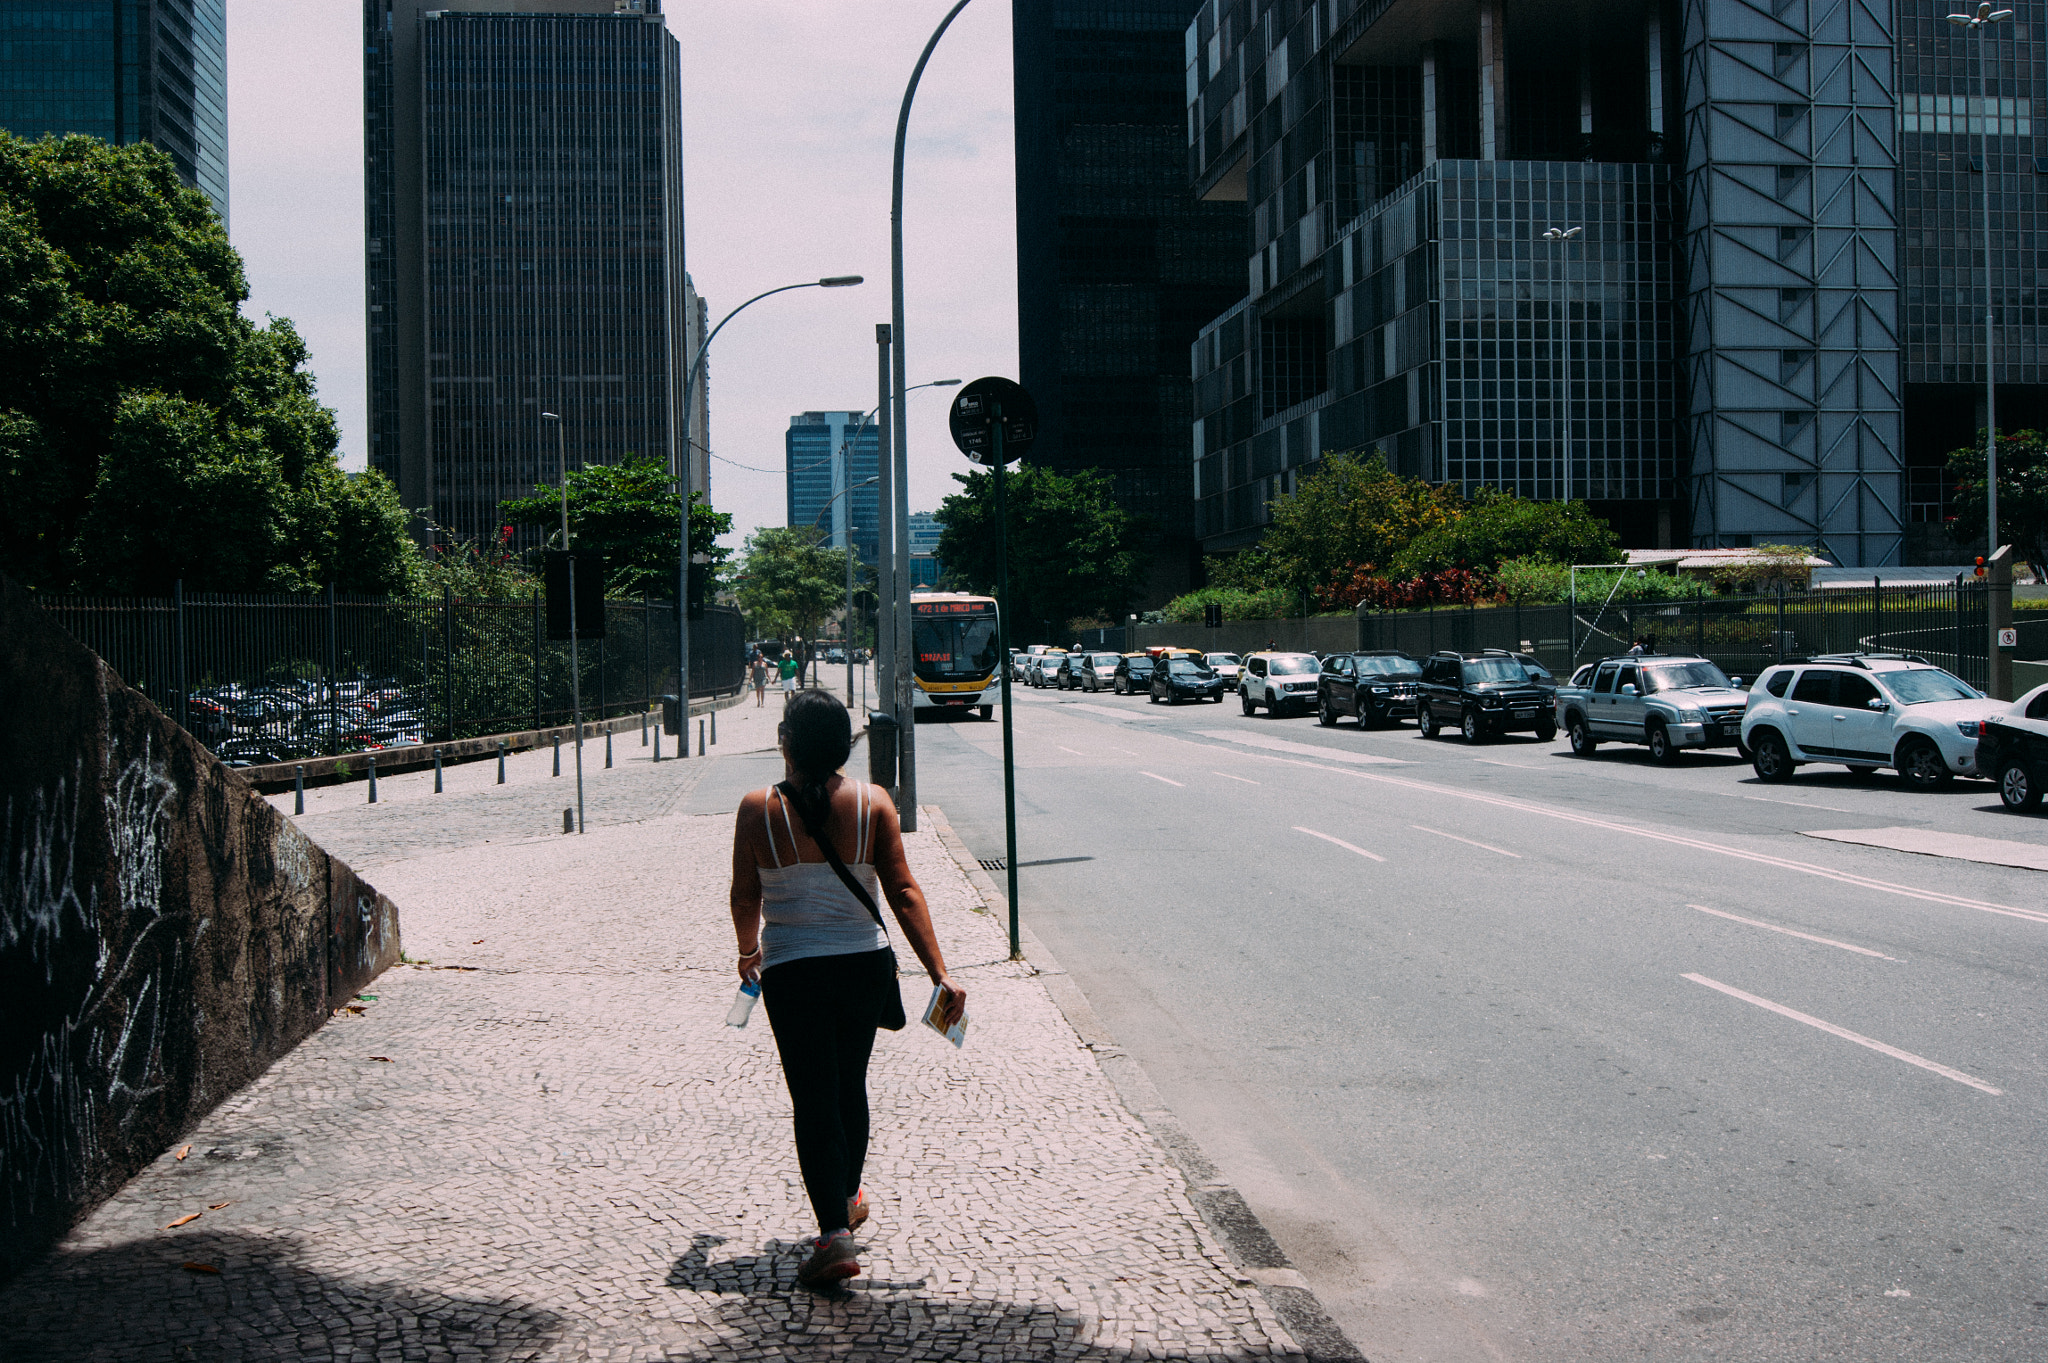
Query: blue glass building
{"x":123,"y":71}
{"x":924,"y":548}
{"x":827,"y":454}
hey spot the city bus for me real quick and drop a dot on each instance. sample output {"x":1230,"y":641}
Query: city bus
{"x":953,"y":645}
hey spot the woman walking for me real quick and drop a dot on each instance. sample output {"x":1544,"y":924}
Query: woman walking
{"x":818,"y":947}
{"x":759,"y":664}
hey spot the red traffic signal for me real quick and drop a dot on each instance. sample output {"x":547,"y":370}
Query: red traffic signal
{"x":1980,"y":565}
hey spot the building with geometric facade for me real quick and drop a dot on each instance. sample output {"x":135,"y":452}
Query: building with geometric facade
{"x":1117,"y":265}
{"x":832,"y":459}
{"x":123,"y":71}
{"x":524,"y":247}
{"x":1737,"y":347}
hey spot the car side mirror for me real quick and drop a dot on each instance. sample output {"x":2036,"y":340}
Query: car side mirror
{"x":1735,"y":683}
{"x":1628,"y":688}
{"x":1878,"y":704}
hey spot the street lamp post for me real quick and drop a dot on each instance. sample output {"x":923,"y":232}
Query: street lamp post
{"x":1981,"y":24}
{"x":1561,"y":238}
{"x":575,"y":656}
{"x":683,"y":483}
{"x":899,"y":670}
{"x":848,"y":551}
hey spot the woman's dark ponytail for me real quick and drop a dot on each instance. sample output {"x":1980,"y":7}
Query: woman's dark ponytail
{"x":817,"y":733}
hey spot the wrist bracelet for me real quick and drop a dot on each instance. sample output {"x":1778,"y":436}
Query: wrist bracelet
{"x":744,"y":955}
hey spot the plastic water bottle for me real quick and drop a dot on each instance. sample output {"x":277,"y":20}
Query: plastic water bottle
{"x":743,"y":1003}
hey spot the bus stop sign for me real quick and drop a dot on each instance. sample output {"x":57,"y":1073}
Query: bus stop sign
{"x":973,"y":420}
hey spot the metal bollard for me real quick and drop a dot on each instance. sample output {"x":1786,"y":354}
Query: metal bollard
{"x":657,"y":744}
{"x":607,"y":748}
{"x":558,"y":752}
{"x":569,"y":820}
{"x":298,"y":790}
{"x":501,"y":761}
{"x":714,"y":728}
{"x":643,"y":728}
{"x":373,"y":778}
{"x":700,"y":738}
{"x":437,"y":771}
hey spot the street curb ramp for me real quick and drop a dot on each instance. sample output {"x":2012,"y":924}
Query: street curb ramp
{"x":165,"y":934}
{"x":1253,"y":1250}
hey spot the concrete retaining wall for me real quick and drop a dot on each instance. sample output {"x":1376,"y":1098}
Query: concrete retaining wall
{"x":164,"y":933}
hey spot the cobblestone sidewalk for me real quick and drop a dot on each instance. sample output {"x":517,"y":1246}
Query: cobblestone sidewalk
{"x":539,"y":1141}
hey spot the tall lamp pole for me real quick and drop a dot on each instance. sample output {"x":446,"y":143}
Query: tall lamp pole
{"x":1981,"y":24}
{"x":899,"y":701}
{"x":1561,"y":238}
{"x":575,"y":657}
{"x":683,"y":487}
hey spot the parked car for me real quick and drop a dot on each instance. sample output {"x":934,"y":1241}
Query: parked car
{"x":1670,"y":702}
{"x":1374,"y":688}
{"x":1044,"y":668}
{"x":1866,"y":711}
{"x":835,"y":655}
{"x":1285,"y":683}
{"x":2013,"y":750}
{"x":1134,"y":674}
{"x":1181,"y":677}
{"x":1227,"y":666}
{"x":1482,"y":695}
{"x":1097,"y":671}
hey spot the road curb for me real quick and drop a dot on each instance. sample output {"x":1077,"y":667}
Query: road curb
{"x":1258,"y":1257}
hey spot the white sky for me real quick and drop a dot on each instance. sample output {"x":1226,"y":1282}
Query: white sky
{"x":789,"y":114}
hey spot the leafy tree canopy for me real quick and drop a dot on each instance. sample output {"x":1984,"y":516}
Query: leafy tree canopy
{"x":148,"y":431}
{"x":1498,"y":526}
{"x":2022,"y":495}
{"x":1352,"y":512}
{"x":628,"y":512}
{"x":1074,"y":553}
{"x":789,"y":582}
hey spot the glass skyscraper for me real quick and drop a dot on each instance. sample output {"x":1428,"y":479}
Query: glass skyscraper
{"x":829,"y":453}
{"x":124,"y":71}
{"x":523,"y":187}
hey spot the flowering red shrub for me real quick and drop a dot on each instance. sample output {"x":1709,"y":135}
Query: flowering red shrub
{"x":1449,"y":587}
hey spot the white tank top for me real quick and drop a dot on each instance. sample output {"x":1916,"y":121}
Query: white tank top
{"x":805,"y":909}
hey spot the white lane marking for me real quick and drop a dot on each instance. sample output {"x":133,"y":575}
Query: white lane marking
{"x":1228,"y":777}
{"x":1801,"y":804}
{"x":1824,"y":941}
{"x":1761,"y":858}
{"x":1519,"y":766}
{"x":1157,"y":777}
{"x":1467,"y":841}
{"x":1843,"y":1032}
{"x":1075,"y":751}
{"x":1113,"y":713}
{"x":1340,"y":842}
{"x":1303,"y":749}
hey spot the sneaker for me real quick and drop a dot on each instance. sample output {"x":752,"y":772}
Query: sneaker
{"x":857,"y":1210}
{"x":831,"y":1263}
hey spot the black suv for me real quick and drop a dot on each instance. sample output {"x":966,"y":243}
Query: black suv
{"x":1373,"y":688}
{"x":1482,"y":694}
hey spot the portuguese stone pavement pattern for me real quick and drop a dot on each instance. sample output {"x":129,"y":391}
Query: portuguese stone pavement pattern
{"x":538,"y":1139}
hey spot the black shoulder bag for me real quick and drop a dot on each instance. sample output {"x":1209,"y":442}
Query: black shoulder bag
{"x":892,"y":1018}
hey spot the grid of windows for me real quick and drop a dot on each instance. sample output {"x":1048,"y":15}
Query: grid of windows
{"x":827,"y":452}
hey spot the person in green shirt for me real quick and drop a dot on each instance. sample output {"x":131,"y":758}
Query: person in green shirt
{"x":787,"y":669}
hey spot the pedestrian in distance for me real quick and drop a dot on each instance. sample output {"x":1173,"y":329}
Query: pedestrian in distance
{"x":787,"y":669}
{"x":809,"y":930}
{"x":759,"y":665}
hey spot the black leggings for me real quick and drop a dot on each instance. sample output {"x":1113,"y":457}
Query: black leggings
{"x":824,"y":1010}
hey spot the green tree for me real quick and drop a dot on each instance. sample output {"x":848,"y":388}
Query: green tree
{"x":789,"y":582}
{"x":148,"y":431}
{"x":1074,"y":553}
{"x":2022,"y":495}
{"x":627,"y":512}
{"x":1498,"y":526}
{"x":1351,"y":512}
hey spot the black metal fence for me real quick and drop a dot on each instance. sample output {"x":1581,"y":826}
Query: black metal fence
{"x":276,"y":678}
{"x":1945,"y":623}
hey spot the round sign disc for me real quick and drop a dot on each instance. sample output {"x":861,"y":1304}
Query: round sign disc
{"x":975,"y":411}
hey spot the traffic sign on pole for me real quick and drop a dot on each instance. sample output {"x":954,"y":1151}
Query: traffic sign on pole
{"x":979,"y":406}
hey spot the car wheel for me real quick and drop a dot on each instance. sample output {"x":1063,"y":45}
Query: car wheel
{"x":1546,"y":733}
{"x":1580,"y":737}
{"x":1425,"y":722}
{"x":1770,"y":758}
{"x":1472,"y":726}
{"x":1662,"y":749}
{"x":988,"y":711}
{"x":2016,"y":786}
{"x":1326,"y":716}
{"x":1250,"y":707}
{"x":1922,"y":767}
{"x":1123,"y":687}
{"x":1218,"y":698}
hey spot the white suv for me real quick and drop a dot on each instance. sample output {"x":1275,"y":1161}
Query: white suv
{"x":1866,"y":711}
{"x":1281,"y":682}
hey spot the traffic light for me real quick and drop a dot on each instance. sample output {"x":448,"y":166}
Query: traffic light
{"x":589,"y":593}
{"x":1980,"y":565}
{"x":1212,"y":615}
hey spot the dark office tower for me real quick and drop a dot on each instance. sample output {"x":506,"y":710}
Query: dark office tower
{"x":1118,"y":266}
{"x":524,"y":200}
{"x":124,"y":71}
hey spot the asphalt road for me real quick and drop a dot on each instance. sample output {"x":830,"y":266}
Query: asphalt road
{"x":1527,"y":1056}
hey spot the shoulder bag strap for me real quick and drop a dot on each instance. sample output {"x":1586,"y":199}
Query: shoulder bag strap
{"x":824,"y":841}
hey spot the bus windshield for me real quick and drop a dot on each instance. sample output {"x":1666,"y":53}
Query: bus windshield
{"x":955,"y":649}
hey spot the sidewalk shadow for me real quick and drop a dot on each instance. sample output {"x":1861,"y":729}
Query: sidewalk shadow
{"x":137,"y":1301}
{"x":774,"y":1318}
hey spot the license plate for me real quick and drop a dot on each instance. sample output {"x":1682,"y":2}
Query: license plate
{"x":1523,"y":714}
